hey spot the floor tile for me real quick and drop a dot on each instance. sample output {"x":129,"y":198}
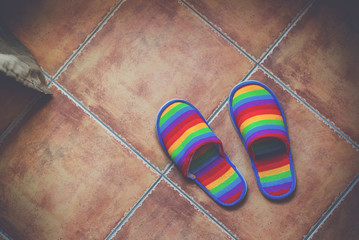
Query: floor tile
{"x":325,"y":164}
{"x":52,"y":30}
{"x":165,"y":214}
{"x":253,"y":25}
{"x":343,"y":223}
{"x":14,"y":98}
{"x":318,"y":60}
{"x":148,"y":53}
{"x":62,"y":176}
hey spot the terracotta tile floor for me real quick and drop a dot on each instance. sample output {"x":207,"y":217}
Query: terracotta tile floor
{"x":86,"y":163}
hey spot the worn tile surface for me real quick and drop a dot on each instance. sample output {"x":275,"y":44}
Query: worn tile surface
{"x":165,"y":214}
{"x":62,"y":176}
{"x":324,"y":163}
{"x":53,"y":29}
{"x":253,"y":25}
{"x":318,"y":59}
{"x":148,"y":53}
{"x":344,"y":222}
{"x":14,"y":99}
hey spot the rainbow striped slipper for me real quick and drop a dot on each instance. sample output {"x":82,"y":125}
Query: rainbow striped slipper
{"x":259,"y":120}
{"x":198,"y":153}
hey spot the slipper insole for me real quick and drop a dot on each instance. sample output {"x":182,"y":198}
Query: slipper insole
{"x":272,"y":164}
{"x":213,"y":171}
{"x":268,"y":147}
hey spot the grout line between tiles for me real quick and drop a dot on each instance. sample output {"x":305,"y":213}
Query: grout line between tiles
{"x":218,"y":110}
{"x":258,"y":64}
{"x":88,"y":39}
{"x":4,"y":236}
{"x":212,"y":117}
{"x":137,"y":205}
{"x":139,"y":202}
{"x":331,"y":209}
{"x":284,"y":34}
{"x":48,"y":77}
{"x":168,"y":168}
{"x":225,"y":102}
{"x":115,"y":135}
{"x":218,"y":31}
{"x":310,"y":107}
{"x":199,"y":207}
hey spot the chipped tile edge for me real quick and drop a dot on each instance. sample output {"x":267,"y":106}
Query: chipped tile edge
{"x":315,"y":111}
{"x":127,"y":215}
{"x":199,"y":207}
{"x":168,"y":168}
{"x":110,"y":131}
{"x":284,"y":33}
{"x":88,"y":39}
{"x":335,"y":204}
{"x":218,"y":31}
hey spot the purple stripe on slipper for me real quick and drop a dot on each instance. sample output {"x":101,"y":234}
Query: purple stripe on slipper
{"x":278,"y":187}
{"x":229,"y":194}
{"x":170,"y":127}
{"x":209,"y":167}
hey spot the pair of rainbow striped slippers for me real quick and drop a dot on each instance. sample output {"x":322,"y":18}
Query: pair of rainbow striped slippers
{"x":259,"y":120}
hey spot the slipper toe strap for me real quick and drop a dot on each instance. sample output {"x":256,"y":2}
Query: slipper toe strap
{"x":257,"y":116}
{"x":183,"y":162}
